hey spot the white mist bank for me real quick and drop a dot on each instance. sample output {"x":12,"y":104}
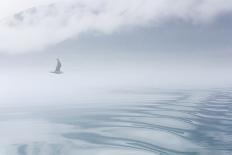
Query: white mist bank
{"x":98,"y":87}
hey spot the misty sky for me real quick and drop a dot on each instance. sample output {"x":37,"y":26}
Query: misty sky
{"x":31,"y":25}
{"x":116,"y":44}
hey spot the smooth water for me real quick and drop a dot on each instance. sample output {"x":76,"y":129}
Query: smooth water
{"x":149,"y":123}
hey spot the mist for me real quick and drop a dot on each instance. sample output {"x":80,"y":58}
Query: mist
{"x":112,"y":46}
{"x":99,"y":77}
{"x":35,"y":25}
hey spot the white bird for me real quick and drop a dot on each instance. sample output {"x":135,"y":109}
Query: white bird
{"x":58,"y":66}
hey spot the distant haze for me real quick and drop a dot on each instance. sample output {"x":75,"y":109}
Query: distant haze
{"x":108,"y":46}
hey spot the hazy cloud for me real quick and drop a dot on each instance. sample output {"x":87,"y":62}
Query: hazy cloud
{"x":52,"y":22}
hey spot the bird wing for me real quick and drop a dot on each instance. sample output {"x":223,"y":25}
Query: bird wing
{"x":58,"y":66}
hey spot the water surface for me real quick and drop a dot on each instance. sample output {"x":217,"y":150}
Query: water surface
{"x":147,"y":123}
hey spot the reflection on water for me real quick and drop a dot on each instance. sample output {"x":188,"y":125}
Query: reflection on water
{"x":175,"y":123}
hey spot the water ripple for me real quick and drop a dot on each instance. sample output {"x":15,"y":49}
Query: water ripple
{"x":179,"y":123}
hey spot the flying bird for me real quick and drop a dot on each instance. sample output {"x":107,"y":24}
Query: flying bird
{"x":58,"y":67}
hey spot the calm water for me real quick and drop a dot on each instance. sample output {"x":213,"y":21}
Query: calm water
{"x":149,"y":123}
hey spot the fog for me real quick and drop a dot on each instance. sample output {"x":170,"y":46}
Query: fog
{"x":33,"y":25}
{"x":99,"y":77}
{"x":108,"y":47}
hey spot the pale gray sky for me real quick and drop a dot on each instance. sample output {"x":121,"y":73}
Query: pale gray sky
{"x":36,"y":24}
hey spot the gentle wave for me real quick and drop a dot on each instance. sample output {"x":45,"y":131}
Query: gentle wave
{"x":178,"y":123}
